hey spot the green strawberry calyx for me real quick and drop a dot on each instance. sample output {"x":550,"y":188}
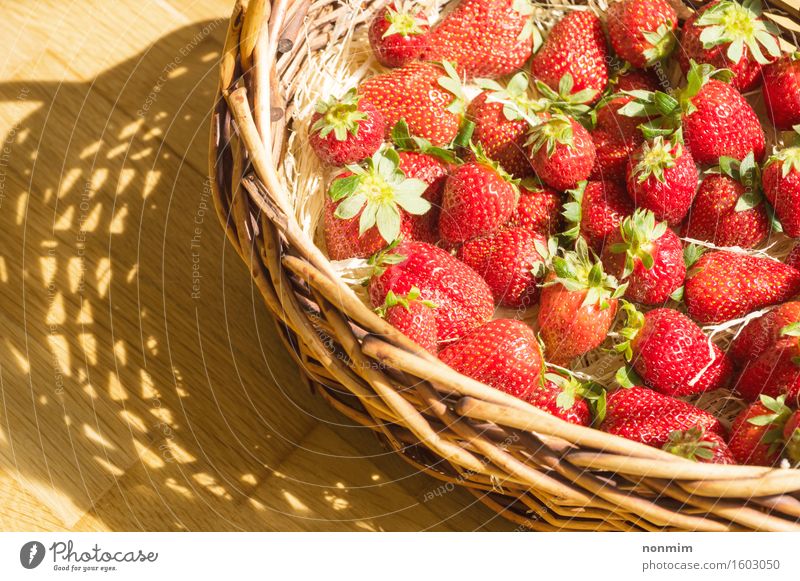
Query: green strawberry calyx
{"x":394,"y":300}
{"x":340,"y":116}
{"x":404,"y":141}
{"x":572,"y":388}
{"x":564,"y":100}
{"x":381,"y":190}
{"x":546,"y":251}
{"x":553,"y":131}
{"x":690,"y":444}
{"x":789,"y":158}
{"x":654,"y":158}
{"x":739,"y":26}
{"x":633,"y":324}
{"x":483,"y":159}
{"x":572,"y":211}
{"x":453,"y":83}
{"x":384,"y":258}
{"x":775,"y":420}
{"x":529,"y":29}
{"x":747,"y":173}
{"x":576,"y":271}
{"x":627,"y":378}
{"x":516,"y":101}
{"x":639,"y":233}
{"x":662,"y":41}
{"x":404,"y":19}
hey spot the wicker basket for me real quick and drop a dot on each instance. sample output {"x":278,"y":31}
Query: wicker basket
{"x":537,"y":470}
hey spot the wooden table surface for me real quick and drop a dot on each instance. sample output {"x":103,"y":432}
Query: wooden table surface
{"x":127,"y":403}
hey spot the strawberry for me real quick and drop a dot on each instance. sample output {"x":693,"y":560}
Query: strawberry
{"x":611,"y":155}
{"x":781,"y":182}
{"x":427,"y":96}
{"x":671,"y":353}
{"x":728,"y":209}
{"x":757,"y":432}
{"x":345,"y":130}
{"x":725,"y":285}
{"x":509,"y":262}
{"x":649,"y":256}
{"x":577,"y":305}
{"x":698,"y":445}
{"x":730,"y":35}
{"x":761,"y":333}
{"x":596,"y":210}
{"x":369,"y":207}
{"x":791,"y":439}
{"x":635,"y":80}
{"x":776,"y":371}
{"x":576,"y":46}
{"x":662,"y":177}
{"x":646,"y":416}
{"x":412,"y":316}
{"x":781,"y":91}
{"x":561,"y":151}
{"x":463,"y":301}
{"x":563,"y":396}
{"x":479,"y":197}
{"x":484,"y":38}
{"x":538,"y":209}
{"x":503,"y":354}
{"x":433,"y":171}
{"x":642,"y":31}
{"x":398,"y":34}
{"x":500,"y":115}
{"x":793,"y":258}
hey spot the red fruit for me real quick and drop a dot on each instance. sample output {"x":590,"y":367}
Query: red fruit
{"x":611,"y":156}
{"x":500,"y":125}
{"x":412,"y":316}
{"x":761,"y":333}
{"x":621,"y":127}
{"x":641,"y":31}
{"x":662,"y":177}
{"x":561,"y":151}
{"x":672,"y":354}
{"x":645,"y":416}
{"x":346,"y":130}
{"x":597,"y":210}
{"x":507,"y":261}
{"x":432,"y":171}
{"x":398,"y":34}
{"x":463,"y":301}
{"x":725,"y":285}
{"x":728,"y":208}
{"x":576,"y":46}
{"x":648,"y":256}
{"x":565,"y":398}
{"x":775,"y":372}
{"x":366,"y":210}
{"x":708,"y":34}
{"x":700,"y":446}
{"x":791,"y":438}
{"x":781,"y":91}
{"x":478,"y":199}
{"x":427,"y":96}
{"x":484,"y":38}
{"x":503,"y":354}
{"x":637,"y":80}
{"x":781,"y":183}
{"x":577,"y":305}
{"x":538,"y":210}
{"x":757,"y":432}
{"x":793,"y":258}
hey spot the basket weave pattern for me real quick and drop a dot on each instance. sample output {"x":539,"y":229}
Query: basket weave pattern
{"x":537,"y":470}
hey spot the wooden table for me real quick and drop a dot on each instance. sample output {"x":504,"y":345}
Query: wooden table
{"x":130,"y":401}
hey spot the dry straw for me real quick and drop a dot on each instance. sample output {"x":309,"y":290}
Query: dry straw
{"x":537,"y":470}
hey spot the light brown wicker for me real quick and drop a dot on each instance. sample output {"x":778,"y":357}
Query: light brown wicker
{"x":539,"y":471}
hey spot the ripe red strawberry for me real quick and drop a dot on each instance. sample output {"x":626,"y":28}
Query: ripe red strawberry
{"x":567,"y":398}
{"x":671,"y":353}
{"x":596,"y":211}
{"x":500,"y":126}
{"x":793,"y":258}
{"x":369,"y":207}
{"x":346,"y":130}
{"x":662,"y":177}
{"x":576,"y":46}
{"x":611,"y":155}
{"x":509,"y":261}
{"x":636,"y":80}
{"x":725,"y":285}
{"x":775,"y":372}
{"x":646,"y":416}
{"x":503,"y":354}
{"x":781,"y":182}
{"x":484,"y":38}
{"x":427,"y":96}
{"x":729,"y":35}
{"x":479,"y":197}
{"x":412,"y":316}
{"x":761,"y":333}
{"x":701,"y":446}
{"x":561,"y":151}
{"x":642,"y":31}
{"x":757,"y":432}
{"x":463,"y":301}
{"x":398,"y":34}
{"x":577,"y":305}
{"x":781,"y":91}
{"x":728,"y":209}
{"x":433,"y":171}
{"x":538,"y":209}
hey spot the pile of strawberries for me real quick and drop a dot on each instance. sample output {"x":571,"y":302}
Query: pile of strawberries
{"x":572,"y":183}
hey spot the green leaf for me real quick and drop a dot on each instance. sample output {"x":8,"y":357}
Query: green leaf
{"x":368,"y":218}
{"x":388,"y":222}
{"x":748,"y":201}
{"x":343,"y":187}
{"x":791,"y":330}
{"x":626,"y":377}
{"x":677,"y":294}
{"x":350,"y":206}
